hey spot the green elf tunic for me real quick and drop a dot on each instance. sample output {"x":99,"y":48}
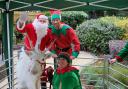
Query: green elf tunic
{"x":67,"y":78}
{"x":66,"y":40}
{"x":122,"y":54}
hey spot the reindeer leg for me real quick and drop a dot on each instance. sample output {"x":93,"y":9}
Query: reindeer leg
{"x":22,"y":88}
{"x":34,"y":83}
{"x":38,"y":83}
{"x":22,"y":85}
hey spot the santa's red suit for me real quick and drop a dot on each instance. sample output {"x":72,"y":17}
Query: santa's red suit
{"x":35,"y":34}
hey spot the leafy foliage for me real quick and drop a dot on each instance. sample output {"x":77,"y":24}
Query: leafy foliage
{"x":74,"y":18}
{"x":95,"y":34}
{"x":121,"y":22}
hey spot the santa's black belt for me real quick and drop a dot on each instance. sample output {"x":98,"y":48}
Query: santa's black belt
{"x":63,"y":49}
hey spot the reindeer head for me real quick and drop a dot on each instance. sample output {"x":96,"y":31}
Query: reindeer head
{"x":38,"y":60}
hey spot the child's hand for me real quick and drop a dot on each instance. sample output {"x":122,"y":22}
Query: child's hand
{"x":112,"y":61}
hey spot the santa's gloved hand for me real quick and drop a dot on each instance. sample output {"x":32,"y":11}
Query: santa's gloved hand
{"x":23,"y":17}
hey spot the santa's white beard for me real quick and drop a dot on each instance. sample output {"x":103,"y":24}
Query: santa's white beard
{"x":41,"y":31}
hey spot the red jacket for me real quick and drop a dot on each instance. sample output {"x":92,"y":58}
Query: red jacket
{"x":30,"y":36}
{"x":64,"y":38}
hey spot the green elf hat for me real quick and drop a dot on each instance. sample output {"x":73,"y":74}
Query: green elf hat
{"x":65,"y":56}
{"x":55,"y":14}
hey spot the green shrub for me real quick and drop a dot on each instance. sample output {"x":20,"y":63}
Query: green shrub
{"x":94,"y":35}
{"x":121,"y":22}
{"x":74,"y":18}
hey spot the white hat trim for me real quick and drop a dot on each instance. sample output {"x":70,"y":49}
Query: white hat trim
{"x":43,"y":17}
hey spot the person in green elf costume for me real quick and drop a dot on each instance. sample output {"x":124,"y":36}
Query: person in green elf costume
{"x":121,"y":55}
{"x":66,"y":76}
{"x":63,"y":36}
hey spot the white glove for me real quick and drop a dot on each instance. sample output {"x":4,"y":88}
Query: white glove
{"x":23,"y":17}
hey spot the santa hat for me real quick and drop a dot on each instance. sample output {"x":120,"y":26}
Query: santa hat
{"x":41,"y":16}
{"x":55,"y":14}
{"x":65,"y":56}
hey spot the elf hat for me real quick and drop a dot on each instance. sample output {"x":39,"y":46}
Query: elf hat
{"x":55,"y":14}
{"x":65,"y":56}
{"x":41,"y":16}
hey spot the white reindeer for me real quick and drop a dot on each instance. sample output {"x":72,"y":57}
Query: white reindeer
{"x":29,"y":70}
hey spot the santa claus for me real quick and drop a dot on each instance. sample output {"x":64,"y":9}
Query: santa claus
{"x":36,"y":36}
{"x":36,"y":40}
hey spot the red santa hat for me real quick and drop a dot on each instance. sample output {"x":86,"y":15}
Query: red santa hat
{"x":55,"y":14}
{"x":41,"y":16}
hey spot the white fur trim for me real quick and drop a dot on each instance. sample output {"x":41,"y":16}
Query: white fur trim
{"x":18,"y":25}
{"x":41,"y":31}
{"x":43,"y":17}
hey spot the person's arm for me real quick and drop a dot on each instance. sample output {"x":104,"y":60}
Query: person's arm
{"x":74,"y":41}
{"x":121,"y":55}
{"x":20,"y":26}
{"x":112,"y":60}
